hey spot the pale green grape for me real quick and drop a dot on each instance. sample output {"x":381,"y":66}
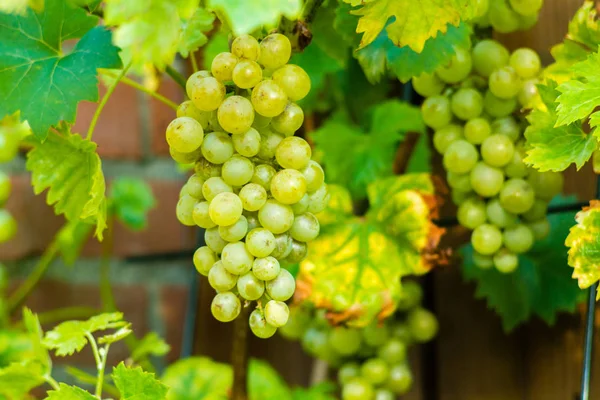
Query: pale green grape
{"x":185,"y":134}
{"x":517,"y":196}
{"x":250,"y":287}
{"x":525,"y":62}
{"x":288,"y":186}
{"x":486,"y":181}
{"x":497,"y":150}
{"x":235,"y":232}
{"x":393,"y":351}
{"x":507,"y":126}
{"x":214,"y":241}
{"x":486,"y":239}
{"x":8,"y":226}
{"x":467,"y":103}
{"x":185,"y":210}
{"x":345,"y":341}
{"x":400,"y":379}
{"x":275,"y":51}
{"x":502,"y":18}
{"x":265,"y":268}
{"x":193,"y":187}
{"x":260,"y":122}
{"x":546,"y":184}
{"x":318,"y":199}
{"x":298,"y":252}
{"x":205,"y":169}
{"x":237,"y":171}
{"x":428,"y":85}
{"x":268,"y":145}
{"x":259,"y":325}
{"x":357,"y":389}
{"x":489,"y":55}
{"x":236,"y":115}
{"x":400,"y":331}
{"x":460,"y":157}
{"x":220,"y":279}
{"x":217,"y":147}
{"x":222,"y":66}
{"x":347,"y":372}
{"x":268,"y":98}
{"x":5,"y":187}
{"x":518,"y":238}
{"x":207,"y":94}
{"x":498,"y":216}
{"x":247,"y":143}
{"x":204,"y":259}
{"x":540,"y":228}
{"x":294,"y":81}
{"x":225,"y":307}
{"x":187,"y":109}
{"x":225,"y":209}
{"x":283,"y":246}
{"x":497,"y":107}
{"x":537,"y":211}
{"x":236,"y":258}
{"x":194,"y":79}
{"x":436,"y":111}
{"x":422,"y":324}
{"x":375,"y":335}
{"x":185,"y":158}
{"x":9,"y":142}
{"x":293,"y":152}
{"x":529,"y":95}
{"x":483,"y":262}
{"x":314,"y":175}
{"x":214,"y":186}
{"x":477,"y":130}
{"x":526,"y":7}
{"x":260,"y":242}
{"x":516,"y":168}
{"x":384,"y":394}
{"x":505,"y":261}
{"x":460,"y":182}
{"x":201,"y":215}
{"x":276,"y":313}
{"x":504,"y":83}
{"x":471,"y":213}
{"x":305,"y":228}
{"x":263,"y":174}
{"x":302,"y":206}
{"x":247,"y":74}
{"x":282,"y":287}
{"x":253,"y":196}
{"x":445,"y":136}
{"x":246,"y":46}
{"x":458,"y":68}
{"x":375,"y":371}
{"x":289,"y":121}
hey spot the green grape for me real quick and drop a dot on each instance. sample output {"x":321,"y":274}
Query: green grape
{"x":260,"y":122}
{"x":422,"y":324}
{"x":247,"y":74}
{"x":301,"y":206}
{"x":507,"y":126}
{"x":250,"y":287}
{"x":225,"y":307}
{"x":486,"y":239}
{"x":283,"y":246}
{"x":471,"y":213}
{"x":294,"y":81}
{"x":297,"y":253}
{"x":537,"y":211}
{"x":445,"y":136}
{"x":206,"y":170}
{"x":497,"y":107}
{"x":477,"y":130}
{"x":384,"y":394}
{"x":486,"y":181}
{"x":458,"y":68}
{"x":5,"y":187}
{"x":259,"y":325}
{"x":193,"y":186}
{"x":357,"y":389}
{"x":460,"y":182}
{"x":201,"y":215}
{"x":319,"y":199}
{"x":347,"y":372}
{"x":8,"y":226}
{"x":526,"y":7}
{"x":375,"y":371}
{"x":247,"y":143}
{"x":525,"y":62}
{"x":528,"y":95}
{"x":187,"y":109}
{"x":502,"y":18}
{"x":185,"y":134}
{"x":489,"y":55}
{"x":9,"y":146}
{"x":225,"y":209}
{"x":293,"y":152}
{"x":260,"y":242}
{"x":237,"y":171}
{"x":345,"y":341}
{"x":268,"y":98}
{"x":497,"y":150}
{"x":276,"y":313}
{"x":214,"y":241}
{"x":194,"y":79}
{"x":220,"y":279}
{"x":460,"y":157}
{"x":540,"y":228}
{"x":275,"y":216}
{"x":268,"y":145}
{"x":505,"y":261}
{"x":236,"y":114}
{"x":400,"y":379}
{"x":185,"y":158}
{"x":288,"y":186}
{"x":527,"y":21}
{"x":427,"y":85}
{"x":375,"y":335}
{"x":314,"y":175}
{"x":253,"y":196}
{"x":217,"y":147}
{"x":436,"y":111}
{"x":207,"y":94}
{"x":411,"y":295}
{"x":498,"y":216}
{"x":214,"y":186}
{"x":204,"y":259}
{"x":459,"y":197}
{"x":289,"y":121}
{"x":305,"y":228}
{"x":467,"y":103}
{"x":236,"y":258}
{"x":235,"y":232}
{"x":517,"y":196}
{"x":400,"y":331}
{"x":546,"y":184}
{"x":481,"y":261}
{"x":275,"y":51}
{"x":185,"y":210}
{"x":246,"y":46}
{"x":263,"y":174}
{"x":518,"y":239}
{"x":393,"y":351}
{"x":504,"y":83}
{"x":282,"y":287}
{"x":516,"y":168}
{"x":266,"y":268}
{"x":222,"y":66}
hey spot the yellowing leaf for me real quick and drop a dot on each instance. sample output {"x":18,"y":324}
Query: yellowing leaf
{"x":584,"y":245}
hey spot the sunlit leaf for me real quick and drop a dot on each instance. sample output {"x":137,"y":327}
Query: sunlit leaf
{"x":66,"y":392}
{"x":135,"y":384}
{"x":198,"y":378}
{"x":584,"y":243}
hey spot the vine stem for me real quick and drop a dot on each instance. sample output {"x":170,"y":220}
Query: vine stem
{"x":309,"y":11}
{"x":107,"y":95}
{"x":52,"y":382}
{"x":177,"y":77}
{"x":194,"y":62}
{"x":239,"y":356}
{"x":130,"y":82}
{"x":100,"y":363}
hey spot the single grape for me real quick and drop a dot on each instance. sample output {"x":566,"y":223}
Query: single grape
{"x":460,"y":182}
{"x":400,"y":379}
{"x":289,"y":121}
{"x":235,"y":232}
{"x":357,"y":389}
{"x":214,"y":186}
{"x":537,"y":211}
{"x":507,"y":126}
{"x":225,"y":209}
{"x":471,"y":213}
{"x":458,"y":68}
{"x":294,"y":81}
{"x":375,"y":335}
{"x":194,"y":79}
{"x":250,"y":287}
{"x":314,"y":175}
{"x":505,"y":261}
{"x":184,"y":158}
{"x":422,"y":324}
{"x":236,"y":258}
{"x":217,"y":147}
{"x":345,"y":341}
{"x":237,"y":171}
{"x":445,"y":136}
{"x":288,"y":186}
{"x":185,"y":134}
{"x":384,"y":394}
{"x":375,"y":371}
{"x":393,"y":351}
{"x":476,"y":130}
{"x":436,"y":111}
{"x":206,"y":170}
{"x":497,"y":107}
{"x":347,"y":372}
{"x":246,"y":46}
{"x":428,"y":85}
{"x":260,"y":242}
{"x":518,"y":238}
{"x":259,"y":325}
{"x":283,"y":246}
{"x":187,"y":109}
{"x":268,"y":145}
{"x":293,"y":152}
{"x":546,"y":184}
{"x":276,"y":313}
{"x":486,"y":181}
{"x":467,"y":103}
{"x":516,"y":168}
{"x":204,"y":258}
{"x":319,"y":199}
{"x":193,"y":186}
{"x":220,"y":279}
{"x":526,"y":7}
{"x":525,"y":62}
{"x":540,"y":228}
{"x":275,"y":51}
{"x":504,"y":83}
{"x":399,"y":330}
{"x":497,"y":150}
{"x":486,"y":239}
{"x":411,"y":295}
{"x":460,"y":157}
{"x":502,"y":18}
{"x":207,"y":94}
{"x":5,"y":187}
{"x":253,"y":196}
{"x":275,"y":216}
{"x":305,"y":227}
{"x":185,"y":210}
{"x":214,"y":241}
{"x":529,"y":95}
{"x":498,"y":216}
{"x":222,"y":66}
{"x":266,"y":268}
{"x":483,"y":262}
{"x":297,"y":253}
{"x":247,"y":143}
{"x":226,"y":307}
{"x":489,"y":55}
{"x":8,"y":226}
{"x":247,"y":74}
{"x":517,"y":196}
{"x":236,"y":114}
{"x":459,"y":197}
{"x":268,"y":98}
{"x":282,"y":287}
{"x":527,"y":21}
{"x":263,"y":174}
{"x":201,"y":215}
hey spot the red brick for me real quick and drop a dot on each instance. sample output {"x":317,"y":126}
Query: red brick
{"x":173,"y":307}
{"x":118,"y":131}
{"x":161,"y":115}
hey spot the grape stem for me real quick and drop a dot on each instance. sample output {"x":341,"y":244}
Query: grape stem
{"x":176,"y":76}
{"x":309,"y":11}
{"x":239,"y":356}
{"x":142,"y":88}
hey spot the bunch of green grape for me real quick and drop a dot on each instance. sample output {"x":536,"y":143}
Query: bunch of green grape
{"x":10,"y":135}
{"x":474,"y":104}
{"x":255,"y":188}
{"x":506,"y":16}
{"x":372,"y":361}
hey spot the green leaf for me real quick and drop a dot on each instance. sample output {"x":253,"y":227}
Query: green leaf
{"x":119,"y":335}
{"x":18,"y":379}
{"x":321,"y":391}
{"x":71,"y":169}
{"x":198,"y":378}
{"x":150,"y":345}
{"x":66,"y":392}
{"x":130,"y":200}
{"x":583,"y":242}
{"x":135,"y":384}
{"x":413,"y":23}
{"x":249,"y":15}
{"x":39,"y":353}
{"x":555,"y":148}
{"x":264,"y":383}
{"x":71,"y":238}
{"x":382,"y":55}
{"x":345,"y":24}
{"x":193,"y":31}
{"x":420,"y":158}
{"x":37,"y":78}
{"x":539,"y":287}
{"x":326,"y":37}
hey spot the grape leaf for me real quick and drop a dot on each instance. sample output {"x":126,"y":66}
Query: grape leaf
{"x":151,"y":344}
{"x":71,"y":169}
{"x":382,"y":55}
{"x":264,"y":383}
{"x":249,"y":15}
{"x":198,"y":378}
{"x":119,"y":335}
{"x":20,"y":6}
{"x":555,"y":148}
{"x":320,"y":391}
{"x":420,"y":158}
{"x":326,"y":37}
{"x":345,"y":24}
{"x":130,"y":200}
{"x":37,"y":78}
{"x":71,"y":238}
{"x":18,"y":379}
{"x":39,"y":353}
{"x":193,"y":31}
{"x":539,"y":287}
{"x":66,"y":392}
{"x":135,"y":384}
{"x":413,"y":23}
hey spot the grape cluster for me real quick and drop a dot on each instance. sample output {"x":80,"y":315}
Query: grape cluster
{"x":255,"y":188}
{"x":473,"y":104}
{"x":372,"y":361}
{"x":508,"y":15}
{"x":10,"y":136}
